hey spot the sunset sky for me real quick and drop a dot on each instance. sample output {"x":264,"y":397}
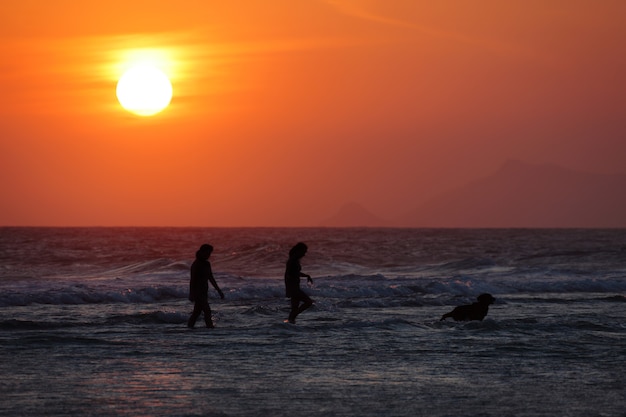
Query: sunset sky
{"x":285,"y":110}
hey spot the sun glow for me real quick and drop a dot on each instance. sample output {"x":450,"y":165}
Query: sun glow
{"x":144,"y":88}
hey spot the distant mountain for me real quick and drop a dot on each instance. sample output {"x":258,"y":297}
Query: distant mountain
{"x":525,"y":195}
{"x":353,"y":215}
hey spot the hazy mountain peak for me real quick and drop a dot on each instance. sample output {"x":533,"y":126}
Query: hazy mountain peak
{"x":527,"y":195}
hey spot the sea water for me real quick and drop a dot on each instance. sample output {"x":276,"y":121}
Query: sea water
{"x":93,"y":322}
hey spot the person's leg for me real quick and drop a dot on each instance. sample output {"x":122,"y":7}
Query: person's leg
{"x":296,"y":308}
{"x":197,"y":309}
{"x":207,"y":316}
{"x":295,"y":301}
{"x":306,"y":303}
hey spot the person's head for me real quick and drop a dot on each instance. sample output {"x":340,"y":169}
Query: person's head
{"x":298,"y":251}
{"x":204,"y":252}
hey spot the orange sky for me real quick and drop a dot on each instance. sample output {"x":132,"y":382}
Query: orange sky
{"x":285,"y":110}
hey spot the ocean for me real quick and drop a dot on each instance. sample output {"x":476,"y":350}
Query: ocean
{"x":93,"y":323}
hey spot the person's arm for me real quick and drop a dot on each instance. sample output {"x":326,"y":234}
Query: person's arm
{"x":212,"y":280}
{"x":216,"y":287}
{"x":307,"y":276}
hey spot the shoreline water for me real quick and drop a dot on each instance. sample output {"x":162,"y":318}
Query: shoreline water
{"x":94,"y":324}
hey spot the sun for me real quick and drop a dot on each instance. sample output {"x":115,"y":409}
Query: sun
{"x":144,"y":90}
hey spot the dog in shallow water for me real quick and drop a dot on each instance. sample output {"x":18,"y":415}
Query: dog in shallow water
{"x":475,"y":311}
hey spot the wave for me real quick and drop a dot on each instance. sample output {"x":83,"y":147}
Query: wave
{"x":356,"y":290}
{"x":152,"y":266}
{"x":466,"y":264}
{"x":143,"y":318}
{"x":74,"y":295}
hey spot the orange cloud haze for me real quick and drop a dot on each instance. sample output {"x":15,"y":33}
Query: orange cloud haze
{"x":285,"y":110}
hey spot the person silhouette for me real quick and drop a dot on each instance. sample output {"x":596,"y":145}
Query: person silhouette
{"x":292,"y":282}
{"x":201,"y":275}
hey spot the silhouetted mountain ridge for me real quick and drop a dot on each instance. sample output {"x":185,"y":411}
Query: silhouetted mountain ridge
{"x":525,"y":195}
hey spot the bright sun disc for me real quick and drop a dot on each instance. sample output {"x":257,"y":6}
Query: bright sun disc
{"x":144,"y":90}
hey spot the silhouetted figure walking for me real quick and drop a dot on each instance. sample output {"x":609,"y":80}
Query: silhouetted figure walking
{"x":292,"y":282}
{"x":201,"y":274}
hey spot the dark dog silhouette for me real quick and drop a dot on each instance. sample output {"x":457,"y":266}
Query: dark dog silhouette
{"x":475,"y":311}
